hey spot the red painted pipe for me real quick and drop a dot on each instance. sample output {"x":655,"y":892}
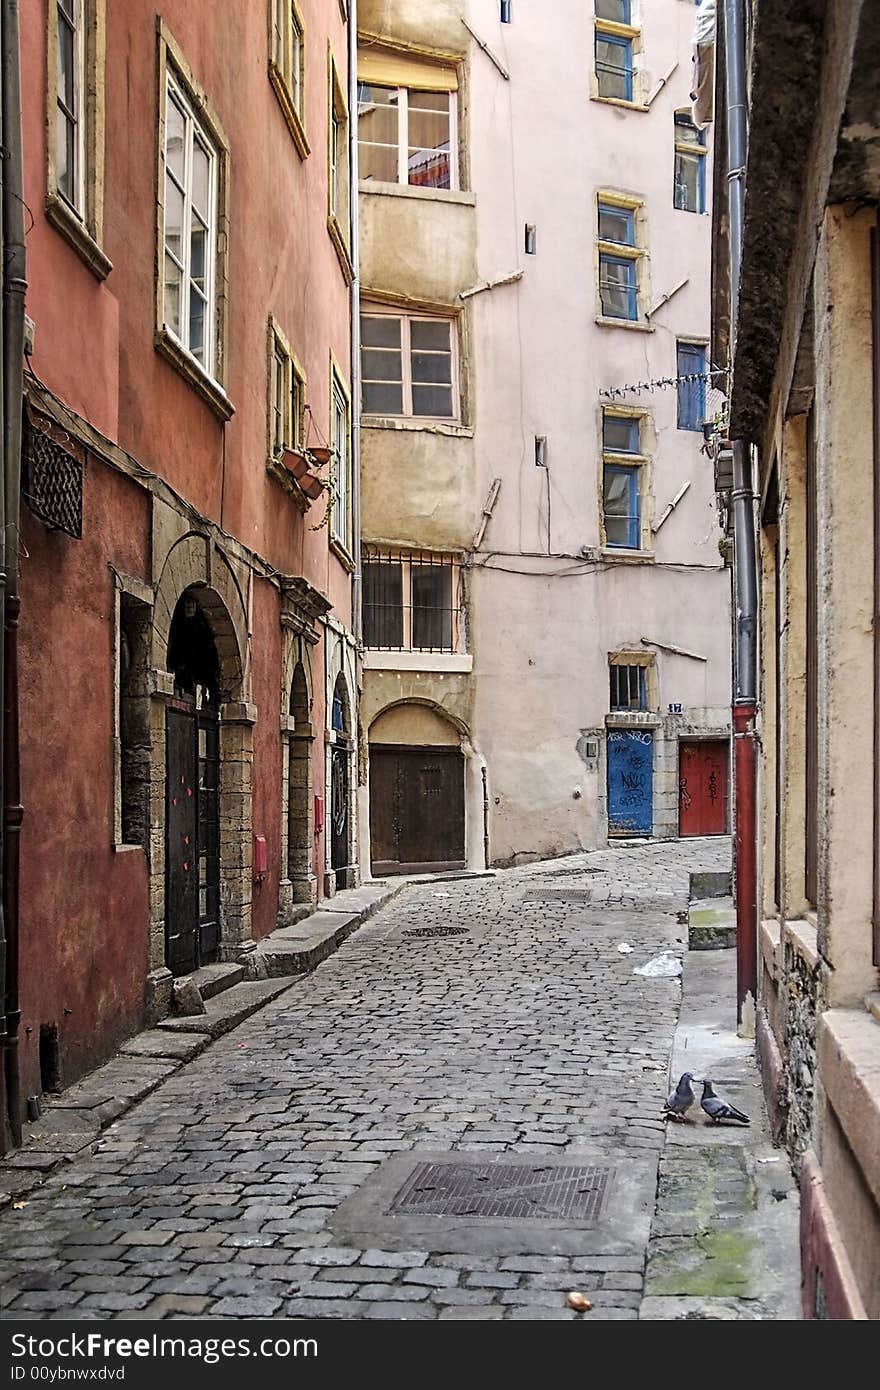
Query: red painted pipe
{"x":745,"y":863}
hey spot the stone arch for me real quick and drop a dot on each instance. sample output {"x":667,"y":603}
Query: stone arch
{"x":195,"y":569}
{"x":297,"y":801}
{"x":194,"y":563}
{"x":447,"y":717}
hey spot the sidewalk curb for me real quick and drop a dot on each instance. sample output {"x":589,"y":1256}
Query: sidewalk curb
{"x":75,"y":1120}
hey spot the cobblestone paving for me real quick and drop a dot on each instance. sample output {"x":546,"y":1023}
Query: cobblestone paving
{"x":530,"y":1034}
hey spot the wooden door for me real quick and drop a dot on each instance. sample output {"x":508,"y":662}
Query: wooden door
{"x":702,"y":787}
{"x":339,"y":812}
{"x":630,"y":782}
{"x":416,"y":809}
{"x":192,"y":926}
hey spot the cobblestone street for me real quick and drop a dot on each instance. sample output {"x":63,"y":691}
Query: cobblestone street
{"x":523,"y":1036}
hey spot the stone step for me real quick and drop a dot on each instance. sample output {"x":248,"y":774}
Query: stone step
{"x":298,"y":949}
{"x":225,"y":1011}
{"x":214,"y":979}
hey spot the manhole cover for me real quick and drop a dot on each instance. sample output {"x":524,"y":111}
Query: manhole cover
{"x":503,"y":1191}
{"x":568,"y":895}
{"x":437,"y":931}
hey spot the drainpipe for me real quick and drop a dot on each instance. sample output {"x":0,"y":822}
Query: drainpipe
{"x":745,"y":565}
{"x":14,"y":289}
{"x":3,"y":1109}
{"x":354,"y":225}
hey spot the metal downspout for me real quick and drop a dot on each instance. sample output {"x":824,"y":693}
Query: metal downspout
{"x":354,"y":222}
{"x":3,"y":1109}
{"x":14,"y":290}
{"x":745,"y":566}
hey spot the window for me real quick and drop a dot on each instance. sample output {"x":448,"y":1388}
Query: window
{"x":338,"y":171}
{"x":411,"y":601}
{"x":70,"y":97}
{"x":286,"y":395}
{"x":190,"y":228}
{"x":622,"y":480}
{"x":629,"y":688}
{"x":408,"y":366}
{"x":615,"y":37}
{"x":691,"y":372}
{"x":619,"y":257}
{"x":340,"y":440}
{"x":689,"y":186}
{"x":633,"y":681}
{"x":407,"y":135}
{"x":75,"y":106}
{"x":287,"y":66}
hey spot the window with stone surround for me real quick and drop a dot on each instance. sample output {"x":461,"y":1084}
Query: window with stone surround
{"x":192,"y":230}
{"x":340,"y":440}
{"x":632,"y":680}
{"x":409,"y":365}
{"x":75,"y":110}
{"x":617,"y":43}
{"x":623,"y":520}
{"x":287,"y":66}
{"x":287,"y":395}
{"x":411,"y":600}
{"x":338,"y":172}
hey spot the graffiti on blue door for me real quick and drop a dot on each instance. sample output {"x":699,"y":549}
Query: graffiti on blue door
{"x":630,"y":782}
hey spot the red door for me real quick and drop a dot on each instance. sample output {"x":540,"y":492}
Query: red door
{"x":702,"y":788}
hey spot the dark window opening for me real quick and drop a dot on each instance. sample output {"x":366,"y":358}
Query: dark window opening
{"x":432,"y":607}
{"x":134,"y":720}
{"x":50,"y":1058}
{"x":629,"y":688}
{"x":383,"y":604}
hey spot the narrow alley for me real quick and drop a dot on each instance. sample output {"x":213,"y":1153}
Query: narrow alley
{"x":367,"y":1144}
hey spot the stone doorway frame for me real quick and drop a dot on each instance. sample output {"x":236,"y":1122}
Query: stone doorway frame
{"x":196,"y":566}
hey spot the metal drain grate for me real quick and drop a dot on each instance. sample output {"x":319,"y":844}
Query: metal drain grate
{"x":437,"y":931}
{"x":566,"y":895}
{"x":499,"y":1191}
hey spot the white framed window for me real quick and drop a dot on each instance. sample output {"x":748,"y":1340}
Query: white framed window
{"x":338,"y":172}
{"x":340,"y":440}
{"x":412,"y":601}
{"x":407,"y":135}
{"x":70,"y":116}
{"x":287,"y":65}
{"x":409,"y":365}
{"x":190,"y":228}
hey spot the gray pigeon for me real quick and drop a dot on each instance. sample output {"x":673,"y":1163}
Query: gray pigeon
{"x":718,"y":1109}
{"x":681,"y":1099}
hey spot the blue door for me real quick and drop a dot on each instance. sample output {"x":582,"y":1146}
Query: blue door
{"x":630,"y":782}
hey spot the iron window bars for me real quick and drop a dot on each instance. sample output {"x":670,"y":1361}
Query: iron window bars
{"x":411,"y":601}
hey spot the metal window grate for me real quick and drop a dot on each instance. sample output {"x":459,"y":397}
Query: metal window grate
{"x":52,"y":482}
{"x":628,"y":688}
{"x":411,"y":601}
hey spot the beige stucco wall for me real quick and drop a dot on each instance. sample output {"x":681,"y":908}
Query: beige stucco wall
{"x":413,"y":724}
{"x":434,"y":24}
{"x":423,"y":247}
{"x":418,"y":487}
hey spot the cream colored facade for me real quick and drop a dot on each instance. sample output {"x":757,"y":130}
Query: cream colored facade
{"x":806,"y":367}
{"x":547,"y":601}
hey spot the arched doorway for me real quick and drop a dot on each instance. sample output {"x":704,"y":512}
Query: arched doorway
{"x":417,"y":792}
{"x":192,"y":789}
{"x":299,"y":789}
{"x":340,"y":784}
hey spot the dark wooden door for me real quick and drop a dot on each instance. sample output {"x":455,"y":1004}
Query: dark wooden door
{"x":416,"y":809}
{"x":702,"y":788}
{"x":192,"y":928}
{"x":339,"y":812}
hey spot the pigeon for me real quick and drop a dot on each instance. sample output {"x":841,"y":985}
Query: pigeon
{"x":681,"y":1099}
{"x":718,"y":1109}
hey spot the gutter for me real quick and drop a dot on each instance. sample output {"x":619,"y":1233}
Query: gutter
{"x":14,"y":290}
{"x":745,"y":560}
{"x":354,"y":232}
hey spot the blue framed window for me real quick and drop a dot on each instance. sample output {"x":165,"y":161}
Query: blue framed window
{"x":618,"y":10}
{"x":689,"y":180}
{"x":621,"y":506}
{"x":618,"y":279}
{"x":614,"y":65}
{"x":691,"y":373}
{"x":620,"y":434}
{"x":617,"y":287}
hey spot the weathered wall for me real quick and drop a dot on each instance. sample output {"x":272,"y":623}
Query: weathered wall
{"x":413,"y":724}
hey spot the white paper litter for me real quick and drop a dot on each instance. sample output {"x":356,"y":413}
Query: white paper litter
{"x":662,"y":967}
{"x":624,"y":948}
